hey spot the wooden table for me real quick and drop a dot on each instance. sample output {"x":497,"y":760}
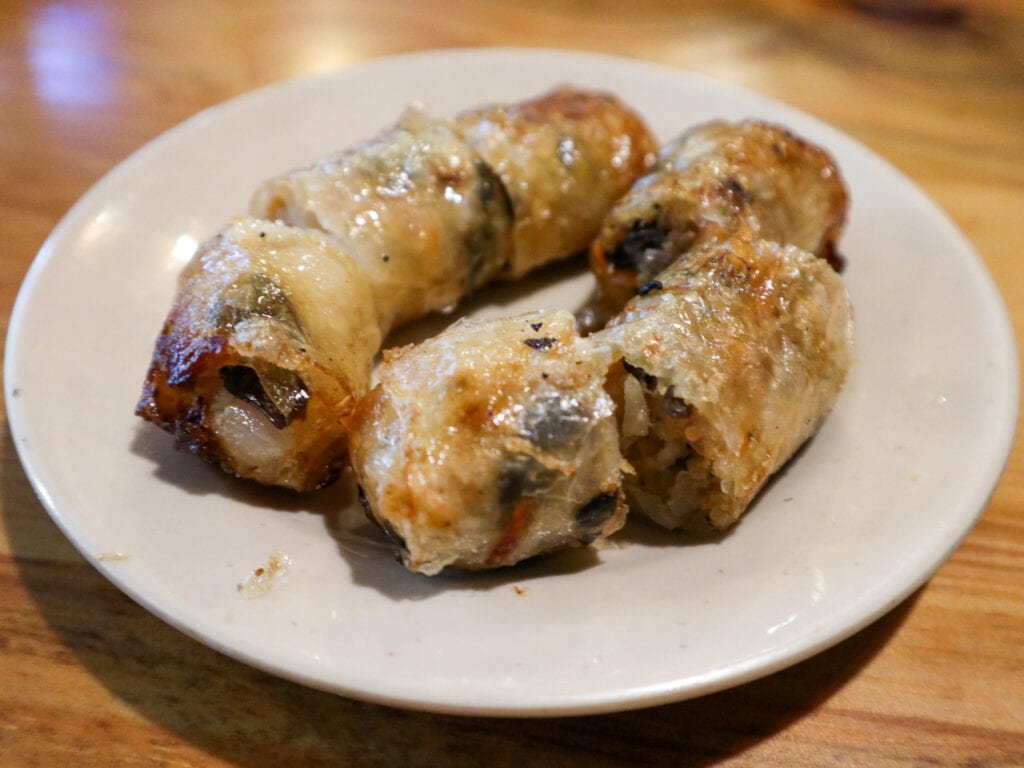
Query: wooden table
{"x":89,"y":678}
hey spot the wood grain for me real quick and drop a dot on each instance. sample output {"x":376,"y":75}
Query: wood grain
{"x":87,"y":678}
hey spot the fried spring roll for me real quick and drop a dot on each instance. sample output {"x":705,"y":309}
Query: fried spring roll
{"x":564,"y":159}
{"x":260,"y":360}
{"x":712,"y":181}
{"x":414,"y":219}
{"x":490,"y":443}
{"x":433,"y":208}
{"x":426,"y":219}
{"x":728,"y":365}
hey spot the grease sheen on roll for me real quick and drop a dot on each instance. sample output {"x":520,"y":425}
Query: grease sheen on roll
{"x":726,"y":369}
{"x":712,"y":181}
{"x":490,"y":443}
{"x":416,"y":218}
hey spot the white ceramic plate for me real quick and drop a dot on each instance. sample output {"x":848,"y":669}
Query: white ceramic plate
{"x":864,"y":515}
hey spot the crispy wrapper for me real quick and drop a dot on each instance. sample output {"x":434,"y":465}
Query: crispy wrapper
{"x":727,"y":367}
{"x":270,"y":341}
{"x":711,"y":182}
{"x":414,"y":219}
{"x":564,"y":159}
{"x":491,"y":443}
{"x":426,"y":219}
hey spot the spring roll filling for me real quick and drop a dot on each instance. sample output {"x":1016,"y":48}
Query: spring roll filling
{"x":661,"y":434}
{"x":279,"y":393}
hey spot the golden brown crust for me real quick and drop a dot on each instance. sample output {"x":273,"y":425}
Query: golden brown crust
{"x":257,"y":368}
{"x":564,"y":159}
{"x":714,"y":180}
{"x":424,"y":217}
{"x":733,"y":361}
{"x":418,"y":219}
{"x":490,"y":443}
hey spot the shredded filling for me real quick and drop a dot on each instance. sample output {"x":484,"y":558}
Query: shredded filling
{"x":673,"y":482}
